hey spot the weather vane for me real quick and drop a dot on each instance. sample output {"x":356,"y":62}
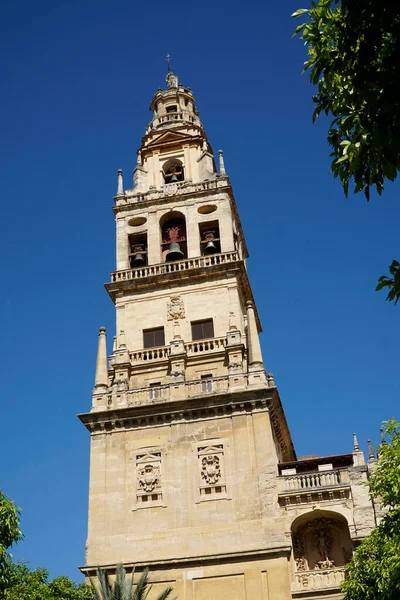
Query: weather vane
{"x":168,"y":59}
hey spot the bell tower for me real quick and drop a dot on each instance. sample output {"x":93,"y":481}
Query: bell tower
{"x":186,"y":425}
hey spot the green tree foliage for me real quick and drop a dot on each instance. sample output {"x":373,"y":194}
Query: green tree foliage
{"x":374,"y":571}
{"x":25,"y":584}
{"x":10,"y":533}
{"x":354,"y":60}
{"x":393,"y":283}
{"x":123,"y":588}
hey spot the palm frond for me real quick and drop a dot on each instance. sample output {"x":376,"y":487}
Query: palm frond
{"x":164,"y":595}
{"x":140,"y":588}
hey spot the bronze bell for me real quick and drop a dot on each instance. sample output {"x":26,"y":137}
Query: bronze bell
{"x":210,"y":248}
{"x":173,"y":178}
{"x":175,"y":252}
{"x":138,"y":261}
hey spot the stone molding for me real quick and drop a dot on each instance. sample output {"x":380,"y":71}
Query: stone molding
{"x":223,"y":405}
{"x":272,"y":551}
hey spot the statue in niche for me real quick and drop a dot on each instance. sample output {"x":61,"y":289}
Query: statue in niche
{"x":323,"y":543}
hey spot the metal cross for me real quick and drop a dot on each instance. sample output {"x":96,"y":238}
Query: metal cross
{"x":169,"y":57}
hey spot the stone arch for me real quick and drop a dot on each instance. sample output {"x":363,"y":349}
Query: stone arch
{"x":321,"y":540}
{"x":173,"y":236}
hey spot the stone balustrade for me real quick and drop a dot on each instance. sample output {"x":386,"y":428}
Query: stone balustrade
{"x":173,"y":267}
{"x":318,"y":579}
{"x":174,"y":116}
{"x":205,"y":346}
{"x":304,"y":482}
{"x":178,"y":188}
{"x":177,"y":391}
{"x":149,"y":354}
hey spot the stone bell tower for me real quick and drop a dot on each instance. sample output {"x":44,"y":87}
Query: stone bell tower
{"x":188,"y":434}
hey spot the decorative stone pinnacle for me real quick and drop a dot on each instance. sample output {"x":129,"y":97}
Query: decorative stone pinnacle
{"x":120,"y":188}
{"x":383,"y":439}
{"x":371,"y":454}
{"x":221,"y":163}
{"x":101,"y":380}
{"x":355,"y":442}
{"x":253,"y":341}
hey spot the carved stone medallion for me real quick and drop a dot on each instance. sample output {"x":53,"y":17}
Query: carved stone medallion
{"x":210,"y":469}
{"x":171,"y":189}
{"x":175,"y":309}
{"x":148,"y":477}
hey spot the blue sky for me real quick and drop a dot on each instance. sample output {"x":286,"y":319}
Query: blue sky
{"x":77,"y":79}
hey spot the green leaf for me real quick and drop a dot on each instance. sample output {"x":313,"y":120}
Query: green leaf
{"x":299,"y":12}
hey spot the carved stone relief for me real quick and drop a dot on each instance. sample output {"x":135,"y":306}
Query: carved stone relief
{"x":211,"y":468}
{"x":148,"y":478}
{"x":322,"y":543}
{"x":175,"y":309}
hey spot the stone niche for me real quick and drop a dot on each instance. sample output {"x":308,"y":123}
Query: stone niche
{"x":321,"y":542}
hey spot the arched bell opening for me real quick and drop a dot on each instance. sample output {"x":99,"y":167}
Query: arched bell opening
{"x":209,"y":238}
{"x":321,"y":541}
{"x":138,"y":250}
{"x":173,"y":237}
{"x":173,"y":171}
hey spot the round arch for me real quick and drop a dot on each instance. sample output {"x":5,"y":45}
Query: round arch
{"x":321,"y":540}
{"x":173,"y":236}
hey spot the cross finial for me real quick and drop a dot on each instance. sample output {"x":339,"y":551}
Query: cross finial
{"x":168,"y":59}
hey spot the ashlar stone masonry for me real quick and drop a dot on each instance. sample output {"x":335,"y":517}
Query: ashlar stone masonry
{"x":192,"y":467}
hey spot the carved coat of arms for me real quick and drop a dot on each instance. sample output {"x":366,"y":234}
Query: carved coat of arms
{"x":210,"y":469}
{"x":148,"y":477}
{"x":175,"y":309}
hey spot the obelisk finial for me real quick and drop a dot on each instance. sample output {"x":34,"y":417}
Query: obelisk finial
{"x":101,"y":380}
{"x":221,"y":163}
{"x":371,"y":455}
{"x":120,"y":188}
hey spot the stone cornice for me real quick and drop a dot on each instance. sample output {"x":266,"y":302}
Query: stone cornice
{"x":282,"y":550}
{"x":171,"y":412}
{"x":128,"y":203}
{"x":280,"y":427}
{"x":177,"y":411}
{"x":235,"y":268}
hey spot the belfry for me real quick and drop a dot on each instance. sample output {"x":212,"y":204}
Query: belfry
{"x":193,"y":472}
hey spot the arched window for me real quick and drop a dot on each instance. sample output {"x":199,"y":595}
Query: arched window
{"x":173,"y":170}
{"x":173,"y":237}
